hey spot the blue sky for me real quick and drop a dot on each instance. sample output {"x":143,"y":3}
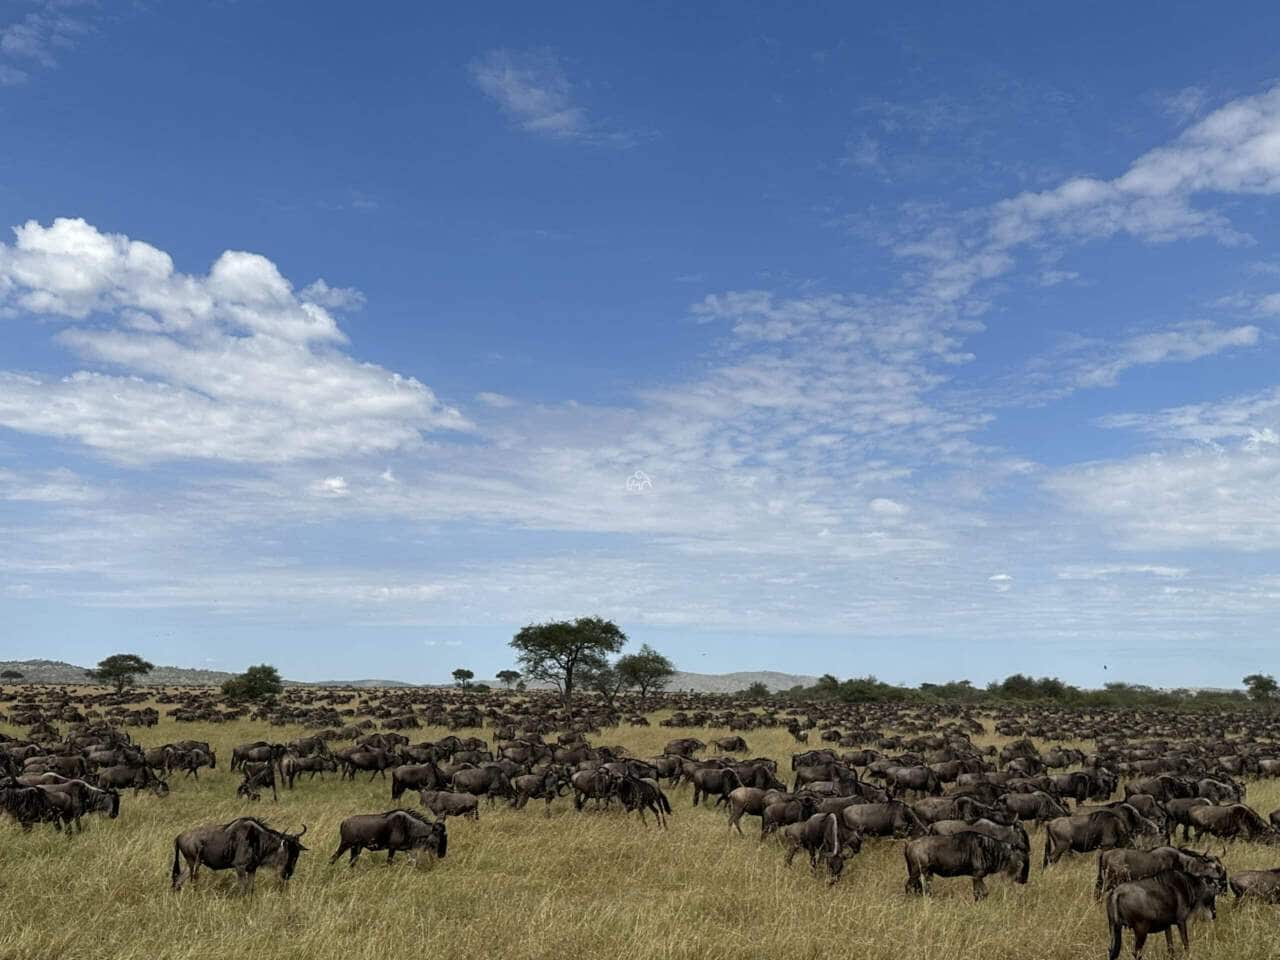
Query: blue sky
{"x":926,"y":343}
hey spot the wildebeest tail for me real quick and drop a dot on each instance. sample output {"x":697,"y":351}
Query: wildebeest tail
{"x":177,"y":864}
{"x":1113,"y":925}
{"x":833,"y":833}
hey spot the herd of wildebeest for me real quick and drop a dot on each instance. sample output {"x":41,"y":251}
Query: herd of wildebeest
{"x":859,"y":774}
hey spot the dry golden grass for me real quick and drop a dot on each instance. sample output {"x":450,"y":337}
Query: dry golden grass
{"x":520,"y":885}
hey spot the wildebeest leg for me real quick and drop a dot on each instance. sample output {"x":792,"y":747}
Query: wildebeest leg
{"x":979,"y":889}
{"x":355,"y":852}
{"x":1139,"y":941}
{"x":791,"y":854}
{"x":342,"y":848}
{"x":391,"y":855}
{"x":275,"y":797}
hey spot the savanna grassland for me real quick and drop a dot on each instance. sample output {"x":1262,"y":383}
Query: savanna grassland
{"x":518,"y":884}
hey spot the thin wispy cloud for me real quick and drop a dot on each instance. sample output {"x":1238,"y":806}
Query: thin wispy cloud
{"x":534,"y":91}
{"x":37,"y":39}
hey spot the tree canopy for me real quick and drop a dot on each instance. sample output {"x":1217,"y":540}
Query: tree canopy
{"x":646,"y":671}
{"x":462,"y":676}
{"x":508,"y":678}
{"x":1261,"y":686}
{"x":555,"y":651}
{"x":119,"y":670}
{"x":256,"y":683}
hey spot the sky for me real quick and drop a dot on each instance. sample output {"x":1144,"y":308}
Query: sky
{"x":925,"y":342}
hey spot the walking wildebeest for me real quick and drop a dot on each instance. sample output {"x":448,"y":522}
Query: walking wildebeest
{"x":1082,"y":833}
{"x":415,"y":776}
{"x":1261,"y":885}
{"x":641,"y":794}
{"x":1158,"y":904}
{"x":964,"y":854}
{"x":75,"y":798}
{"x":891,"y":819}
{"x":1231,"y":821}
{"x":393,"y":831}
{"x":825,"y":838}
{"x":292,"y":767}
{"x":244,"y":844}
{"x":257,"y":775}
{"x":122,"y":777}
{"x":446,"y":803}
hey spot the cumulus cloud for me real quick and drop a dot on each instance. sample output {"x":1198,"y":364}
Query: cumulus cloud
{"x":232,"y":365}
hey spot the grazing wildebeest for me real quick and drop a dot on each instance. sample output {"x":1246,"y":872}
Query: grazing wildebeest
{"x":292,"y":767}
{"x":964,"y":854}
{"x":891,"y":819}
{"x":1231,"y":821}
{"x":918,"y":779}
{"x":684,"y":747}
{"x":1082,"y":833}
{"x":257,"y":775}
{"x":1120,"y":866}
{"x":730,"y":745}
{"x":75,"y":798}
{"x":1179,"y":813}
{"x":1158,"y":903}
{"x":446,"y":803}
{"x":244,"y":844}
{"x":122,"y":777}
{"x":825,"y":838}
{"x":415,"y":776}
{"x":1261,"y":885}
{"x":373,"y":760}
{"x":933,"y":809}
{"x":393,"y":831}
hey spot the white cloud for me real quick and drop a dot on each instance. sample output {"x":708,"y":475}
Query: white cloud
{"x":1181,"y":344}
{"x":496,"y":400}
{"x":36,"y":40}
{"x":331,"y":487}
{"x":1002,"y":582}
{"x":332,"y":298}
{"x":531,"y":87}
{"x":1108,"y":570}
{"x":229,"y":366}
{"x":53,"y":486}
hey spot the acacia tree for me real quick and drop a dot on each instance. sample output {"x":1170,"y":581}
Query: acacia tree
{"x":1261,"y":686}
{"x":555,"y":651}
{"x":11,"y":675}
{"x":508,"y":678}
{"x":256,"y":683}
{"x":646,"y":671}
{"x":119,"y":670}
{"x":463,"y":676}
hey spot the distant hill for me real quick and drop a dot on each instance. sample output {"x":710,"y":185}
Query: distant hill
{"x":58,"y":671}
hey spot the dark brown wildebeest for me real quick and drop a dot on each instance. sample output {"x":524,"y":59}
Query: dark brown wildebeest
{"x":27,"y":805}
{"x":825,"y":838}
{"x":1231,"y":821}
{"x":75,"y":798}
{"x":730,"y":745}
{"x":891,"y":819}
{"x":446,"y":803}
{"x":1037,"y":806}
{"x":1157,"y":904}
{"x":393,"y":831}
{"x":373,"y":760}
{"x":784,"y":812}
{"x":933,"y":809}
{"x":292,"y":767}
{"x":1179,"y":813}
{"x":545,"y":786}
{"x":245,"y":844}
{"x":72,"y":767}
{"x":684,"y":746}
{"x":750,"y":800}
{"x":258,"y":752}
{"x":1120,"y":866}
{"x":415,"y":776}
{"x":917,"y":779}
{"x":1082,"y":833}
{"x":1261,"y":885}
{"x":641,"y":794}
{"x":714,"y":782}
{"x":488,"y":782}
{"x":597,"y":785}
{"x":964,"y":854}
{"x":1013,"y":834}
{"x":257,"y":776}
{"x":122,"y":777}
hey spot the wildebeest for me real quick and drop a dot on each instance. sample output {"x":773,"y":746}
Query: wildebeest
{"x":714,"y":781}
{"x":487,"y":781}
{"x":1013,"y":834}
{"x":256,"y":777}
{"x":780,"y":813}
{"x":393,"y":831}
{"x":27,"y":805}
{"x":641,"y":794}
{"x":122,"y":777}
{"x":1037,"y":806}
{"x":891,"y":819}
{"x":415,"y":776}
{"x":825,"y":838}
{"x":258,"y":752}
{"x":75,"y":798}
{"x":292,"y":767}
{"x":964,"y":854}
{"x":244,"y":844}
{"x":1261,"y":885}
{"x":373,"y":760}
{"x":1082,"y":833}
{"x":1158,"y":903}
{"x":1119,"y":866}
{"x":1231,"y":821}
{"x":730,"y":745}
{"x":446,"y":803}
{"x":545,"y":786}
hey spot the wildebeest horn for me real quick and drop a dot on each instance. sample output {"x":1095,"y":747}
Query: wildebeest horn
{"x":301,"y":832}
